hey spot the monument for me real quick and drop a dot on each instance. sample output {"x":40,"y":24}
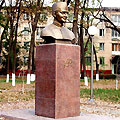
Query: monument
{"x":57,"y":91}
{"x":56,"y":32}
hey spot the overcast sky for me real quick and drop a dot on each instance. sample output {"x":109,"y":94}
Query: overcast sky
{"x":106,"y":3}
{"x":111,"y":3}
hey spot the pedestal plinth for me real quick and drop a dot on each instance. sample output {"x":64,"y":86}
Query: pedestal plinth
{"x":57,"y":90}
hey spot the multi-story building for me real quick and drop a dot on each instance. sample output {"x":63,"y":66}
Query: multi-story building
{"x":107,"y":41}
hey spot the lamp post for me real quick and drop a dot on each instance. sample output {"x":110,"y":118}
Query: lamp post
{"x":92,"y":30}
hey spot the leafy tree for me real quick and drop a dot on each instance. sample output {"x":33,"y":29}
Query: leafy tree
{"x":10,"y":21}
{"x":83,"y":9}
{"x":33,"y":8}
{"x":102,"y":17}
{"x":13,"y":15}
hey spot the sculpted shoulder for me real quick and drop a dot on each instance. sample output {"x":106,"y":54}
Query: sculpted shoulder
{"x":67,"y":34}
{"x":57,"y":32}
{"x":47,"y":31}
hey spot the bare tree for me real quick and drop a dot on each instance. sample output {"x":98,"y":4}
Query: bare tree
{"x":18,"y":9}
{"x":83,"y":26}
{"x":81,"y":38}
{"x":34,"y":21}
{"x":75,"y":20}
{"x":10,"y":17}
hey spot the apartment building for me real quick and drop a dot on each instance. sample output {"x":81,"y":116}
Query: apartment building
{"x":107,"y":41}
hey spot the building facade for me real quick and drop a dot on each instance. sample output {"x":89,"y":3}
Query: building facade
{"x":107,"y":41}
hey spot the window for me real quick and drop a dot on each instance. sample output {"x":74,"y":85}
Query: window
{"x":0,"y":60}
{"x":119,"y":19}
{"x":101,"y":46}
{"x":25,"y":60}
{"x":0,"y":30}
{"x":43,"y":16}
{"x":102,"y":59}
{"x":86,"y":32}
{"x":102,"y":17}
{"x":116,"y":18}
{"x":115,"y":34}
{"x":26,"y":31}
{"x":26,"y":16}
{"x":115,"y":47}
{"x":70,"y":17}
{"x":38,"y":32}
{"x":26,"y":46}
{"x":101,"y":32}
{"x":88,"y":60}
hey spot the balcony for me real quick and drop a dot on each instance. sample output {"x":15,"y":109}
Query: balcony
{"x":115,"y":52}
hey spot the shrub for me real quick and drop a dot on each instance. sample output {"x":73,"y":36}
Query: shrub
{"x":107,"y":76}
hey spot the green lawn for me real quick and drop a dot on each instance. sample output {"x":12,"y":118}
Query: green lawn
{"x":109,"y":95}
{"x":11,"y":93}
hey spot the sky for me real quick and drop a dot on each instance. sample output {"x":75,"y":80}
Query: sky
{"x":105,"y":3}
{"x":111,"y":3}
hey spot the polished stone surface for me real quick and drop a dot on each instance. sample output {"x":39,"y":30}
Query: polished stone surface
{"x":57,"y":93}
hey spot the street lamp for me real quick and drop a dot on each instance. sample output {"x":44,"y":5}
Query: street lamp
{"x":92,"y":30}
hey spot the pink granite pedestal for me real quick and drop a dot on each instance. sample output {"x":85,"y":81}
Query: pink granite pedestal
{"x":57,"y":90}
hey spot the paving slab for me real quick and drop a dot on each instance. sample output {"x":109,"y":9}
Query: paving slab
{"x":29,"y":114}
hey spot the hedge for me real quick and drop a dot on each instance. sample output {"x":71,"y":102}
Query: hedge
{"x":106,"y":76}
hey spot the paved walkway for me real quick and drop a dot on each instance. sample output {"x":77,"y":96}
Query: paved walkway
{"x":29,"y":114}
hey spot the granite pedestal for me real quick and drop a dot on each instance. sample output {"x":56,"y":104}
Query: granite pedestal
{"x":57,"y":90}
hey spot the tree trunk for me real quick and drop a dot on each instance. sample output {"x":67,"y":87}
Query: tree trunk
{"x":33,"y":58}
{"x":82,"y":45}
{"x":16,"y":31}
{"x":2,"y":36}
{"x":81,"y":40}
{"x":10,"y":40}
{"x":97,"y":65}
{"x":75,"y":20}
{"x":32,"y":43}
{"x":31,"y":51}
{"x":10,"y":14}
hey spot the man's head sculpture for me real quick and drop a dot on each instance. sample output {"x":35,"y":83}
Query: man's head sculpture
{"x":56,"y":32}
{"x":60,"y":11}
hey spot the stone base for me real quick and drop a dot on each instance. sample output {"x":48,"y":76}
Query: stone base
{"x":57,"y":91}
{"x":29,"y":114}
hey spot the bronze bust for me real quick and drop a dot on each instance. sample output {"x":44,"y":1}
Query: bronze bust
{"x":56,"y":32}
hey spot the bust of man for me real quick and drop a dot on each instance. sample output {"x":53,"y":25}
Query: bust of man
{"x":56,"y":32}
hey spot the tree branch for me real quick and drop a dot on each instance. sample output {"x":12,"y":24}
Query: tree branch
{"x":3,"y":1}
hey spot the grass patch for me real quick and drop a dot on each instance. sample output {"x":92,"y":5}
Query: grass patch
{"x":109,"y":95}
{"x":16,"y":81}
{"x":17,"y":96}
{"x":9,"y":93}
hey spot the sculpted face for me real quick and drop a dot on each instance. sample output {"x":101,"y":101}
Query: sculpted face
{"x":61,"y":16}
{"x":57,"y":32}
{"x":60,"y":11}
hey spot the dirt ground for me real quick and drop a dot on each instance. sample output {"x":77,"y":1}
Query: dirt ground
{"x":103,"y":84}
{"x":97,"y":107}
